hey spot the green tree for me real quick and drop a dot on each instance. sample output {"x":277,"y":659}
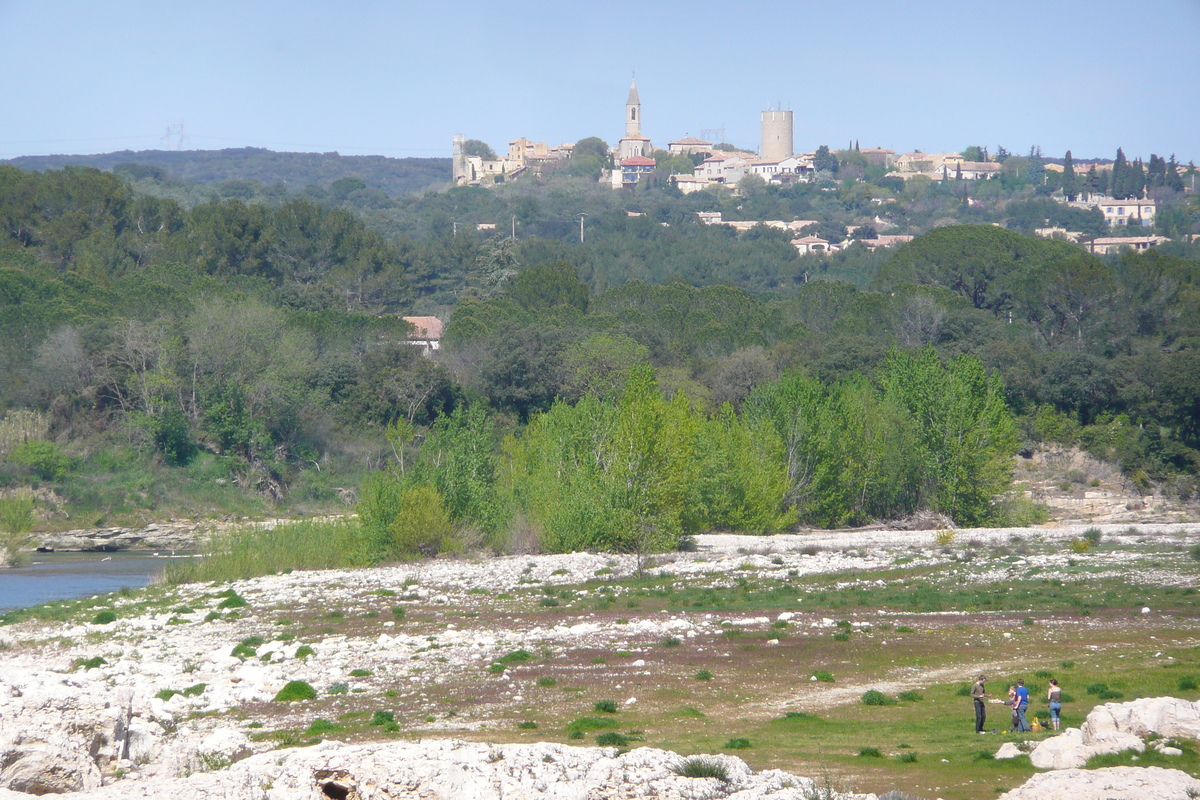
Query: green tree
{"x":548,"y":285}
{"x":476,"y":147}
{"x":965,"y":434}
{"x":1070,"y":184}
{"x":825,"y":161}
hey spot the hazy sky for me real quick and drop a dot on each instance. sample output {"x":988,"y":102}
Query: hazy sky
{"x":400,"y":78}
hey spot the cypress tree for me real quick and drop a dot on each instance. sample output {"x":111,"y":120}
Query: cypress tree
{"x":1070,"y":184}
{"x":1172,"y":179}
{"x":1120,"y":181}
{"x":1137,"y":180}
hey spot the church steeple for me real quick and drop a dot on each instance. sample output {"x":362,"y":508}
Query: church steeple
{"x":633,"y":112}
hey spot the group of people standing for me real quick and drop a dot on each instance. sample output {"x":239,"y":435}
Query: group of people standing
{"x":1018,"y":701}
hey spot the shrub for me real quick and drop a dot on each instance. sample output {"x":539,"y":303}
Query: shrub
{"x":90,"y":663}
{"x":701,"y":767}
{"x":738,"y":743}
{"x":383,"y":717}
{"x":546,"y":682}
{"x":361,"y":673}
{"x":1080,"y":545}
{"x":252,"y":641}
{"x":606,"y":706}
{"x":339,"y":688}
{"x":165,"y":694}
{"x":703,"y":675}
{"x":904,"y":629}
{"x":44,"y":459}
{"x":612,"y":739}
{"x":1195,"y":552}
{"x":842,"y":636}
{"x":877,"y":698}
{"x":823,"y":676}
{"x":1187,"y":684}
{"x":527,"y":725}
{"x":870,"y":752}
{"x":194,"y":691}
{"x":495,"y":668}
{"x":908,"y":758}
{"x":304,"y":651}
{"x":575,"y":734}
{"x":243,"y":652}
{"x":233,"y":600}
{"x":1068,"y":665}
{"x":983,"y":755}
{"x":1092,"y":536}
{"x":516,"y":657}
{"x":910,"y":696}
{"x":944,"y":537}
{"x":964,"y":690}
{"x":295,"y":690}
{"x":105,"y":617}
{"x":398,"y":612}
{"x":423,"y":527}
{"x":671,"y":641}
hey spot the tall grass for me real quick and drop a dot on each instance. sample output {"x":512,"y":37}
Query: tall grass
{"x":16,"y":526}
{"x":251,"y":551}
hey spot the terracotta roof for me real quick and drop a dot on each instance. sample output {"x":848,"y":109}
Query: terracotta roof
{"x":637,"y":137}
{"x":425,"y":327}
{"x":639,"y":161}
{"x":690,"y":140}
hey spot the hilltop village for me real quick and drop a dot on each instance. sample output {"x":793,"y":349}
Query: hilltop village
{"x":723,"y":167}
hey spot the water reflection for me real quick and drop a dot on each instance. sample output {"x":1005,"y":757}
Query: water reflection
{"x":64,"y":576}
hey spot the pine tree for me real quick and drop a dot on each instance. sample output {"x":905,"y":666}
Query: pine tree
{"x":1156,"y":172}
{"x":1070,"y":184}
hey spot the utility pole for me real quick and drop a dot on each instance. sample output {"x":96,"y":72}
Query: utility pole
{"x":455,"y":224}
{"x":581,"y":216}
{"x":514,"y":226}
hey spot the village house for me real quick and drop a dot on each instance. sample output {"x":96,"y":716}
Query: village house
{"x":1106,"y":245}
{"x":426,"y":333}
{"x":630,"y":171}
{"x":688,"y":145}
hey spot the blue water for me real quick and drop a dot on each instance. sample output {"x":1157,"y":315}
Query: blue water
{"x":64,"y":576}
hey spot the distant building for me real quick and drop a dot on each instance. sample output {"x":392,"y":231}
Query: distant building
{"x":776,"y":135}
{"x":633,"y":143}
{"x":688,"y":145}
{"x":426,"y":333}
{"x":629,"y":172}
{"x":1104,"y":245}
{"x":523,"y":155}
{"x":811,"y":244}
{"x":877,"y":155}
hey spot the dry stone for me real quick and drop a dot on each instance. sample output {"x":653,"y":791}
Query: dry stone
{"x":1116,"y":727}
{"x":1112,"y":783}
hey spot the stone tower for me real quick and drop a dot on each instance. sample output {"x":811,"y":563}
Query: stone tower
{"x":633,"y":143}
{"x":633,"y":112}
{"x":776,"y":135}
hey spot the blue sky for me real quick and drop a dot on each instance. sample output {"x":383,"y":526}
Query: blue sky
{"x":400,"y":78}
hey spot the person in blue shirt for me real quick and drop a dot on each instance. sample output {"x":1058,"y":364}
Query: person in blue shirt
{"x":1020,"y":704}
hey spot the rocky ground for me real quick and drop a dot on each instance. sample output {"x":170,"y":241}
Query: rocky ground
{"x":465,"y":659}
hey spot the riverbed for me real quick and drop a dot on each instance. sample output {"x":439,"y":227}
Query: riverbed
{"x":65,"y":576}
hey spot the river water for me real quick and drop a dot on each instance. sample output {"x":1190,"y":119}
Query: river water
{"x":65,"y":576}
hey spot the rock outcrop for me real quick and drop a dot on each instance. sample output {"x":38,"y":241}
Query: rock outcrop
{"x":455,"y":769}
{"x":1116,"y":727}
{"x":1112,"y":783}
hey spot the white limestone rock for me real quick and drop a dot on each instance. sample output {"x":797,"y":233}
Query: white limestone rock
{"x":1009,"y":750}
{"x":1111,"y":783}
{"x":46,"y":769}
{"x":1116,"y":727}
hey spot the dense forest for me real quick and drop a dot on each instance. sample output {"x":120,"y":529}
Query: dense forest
{"x":658,"y":378}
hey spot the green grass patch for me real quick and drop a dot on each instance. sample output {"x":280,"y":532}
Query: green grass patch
{"x":591,"y":724}
{"x":876,"y":698}
{"x":252,"y":551}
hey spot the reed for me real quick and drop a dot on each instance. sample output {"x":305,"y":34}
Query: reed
{"x":251,"y":551}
